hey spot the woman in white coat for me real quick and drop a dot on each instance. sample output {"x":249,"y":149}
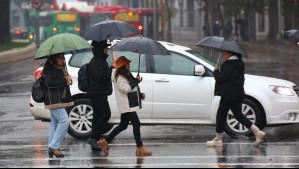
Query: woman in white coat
{"x":128,"y":97}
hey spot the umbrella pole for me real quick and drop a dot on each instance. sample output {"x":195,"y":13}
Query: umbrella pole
{"x":113,"y":60}
{"x":218,"y":59}
{"x":139,"y":64}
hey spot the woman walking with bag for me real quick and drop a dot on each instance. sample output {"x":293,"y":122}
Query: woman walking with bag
{"x":57,"y":98}
{"x":230,"y":86}
{"x":128,"y":99}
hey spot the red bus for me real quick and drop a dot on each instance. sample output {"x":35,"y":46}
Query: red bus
{"x":147,"y":20}
{"x":91,"y":16}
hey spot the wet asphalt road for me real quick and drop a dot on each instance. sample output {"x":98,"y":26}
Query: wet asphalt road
{"x":23,"y":141}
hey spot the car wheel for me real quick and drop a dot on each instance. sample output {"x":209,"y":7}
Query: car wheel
{"x":80,"y":116}
{"x":250,"y":110}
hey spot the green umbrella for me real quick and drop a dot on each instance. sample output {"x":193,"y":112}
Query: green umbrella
{"x":61,"y":43}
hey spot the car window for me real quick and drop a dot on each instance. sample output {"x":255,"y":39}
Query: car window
{"x":174,"y":64}
{"x":81,"y":59}
{"x":133,"y":57}
{"x":207,"y":59}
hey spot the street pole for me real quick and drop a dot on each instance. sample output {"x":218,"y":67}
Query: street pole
{"x":279,"y":20}
{"x":37,"y":32}
{"x":155,"y":19}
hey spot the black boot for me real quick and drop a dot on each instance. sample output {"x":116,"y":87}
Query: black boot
{"x":94,"y":145}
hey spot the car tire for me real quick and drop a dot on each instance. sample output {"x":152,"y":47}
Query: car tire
{"x":253,"y":112}
{"x":80,"y":116}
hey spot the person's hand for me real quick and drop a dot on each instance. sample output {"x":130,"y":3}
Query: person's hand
{"x":216,"y":68}
{"x":69,"y":80}
{"x":142,"y":95}
{"x":138,"y":77}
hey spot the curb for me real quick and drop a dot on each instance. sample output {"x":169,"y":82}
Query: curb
{"x":18,"y":54}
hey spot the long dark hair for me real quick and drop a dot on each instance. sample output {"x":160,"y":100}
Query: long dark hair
{"x":125,"y":73}
{"x":51,"y":62}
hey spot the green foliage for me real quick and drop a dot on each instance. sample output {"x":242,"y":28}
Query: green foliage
{"x":11,"y":45}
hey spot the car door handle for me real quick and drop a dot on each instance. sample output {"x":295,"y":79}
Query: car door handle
{"x":162,"y":81}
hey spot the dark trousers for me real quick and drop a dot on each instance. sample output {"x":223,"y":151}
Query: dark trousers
{"x":235,"y":105}
{"x":125,"y":119}
{"x":101,"y":115}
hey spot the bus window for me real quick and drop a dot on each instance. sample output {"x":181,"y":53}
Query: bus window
{"x":98,"y":17}
{"x":45,"y":21}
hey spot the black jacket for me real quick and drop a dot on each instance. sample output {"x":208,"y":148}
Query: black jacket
{"x":230,"y":80}
{"x":100,"y":76}
{"x":57,"y":90}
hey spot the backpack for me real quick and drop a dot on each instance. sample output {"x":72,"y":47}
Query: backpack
{"x":37,"y":90}
{"x":83,"y":80}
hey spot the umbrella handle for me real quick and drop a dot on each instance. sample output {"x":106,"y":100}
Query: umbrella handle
{"x":67,"y":72}
{"x":113,"y":59}
{"x":139,"y":64}
{"x":218,"y":60}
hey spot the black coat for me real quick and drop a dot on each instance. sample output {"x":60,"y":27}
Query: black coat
{"x":99,"y":76}
{"x":57,"y":90}
{"x":230,"y":80}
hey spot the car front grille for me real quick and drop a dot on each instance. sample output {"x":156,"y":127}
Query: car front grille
{"x":296,"y":89}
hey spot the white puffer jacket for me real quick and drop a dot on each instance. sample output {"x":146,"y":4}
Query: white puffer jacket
{"x":128,"y":99}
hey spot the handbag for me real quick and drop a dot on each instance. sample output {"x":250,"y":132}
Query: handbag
{"x":37,"y":90}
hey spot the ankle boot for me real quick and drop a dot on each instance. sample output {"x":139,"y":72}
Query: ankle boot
{"x":55,"y":152}
{"x":94,"y":145}
{"x":142,"y":151}
{"x":216,"y":142}
{"x":259,"y":135}
{"x":104,"y":145}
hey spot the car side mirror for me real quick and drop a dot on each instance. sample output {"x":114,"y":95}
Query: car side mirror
{"x":199,"y":70}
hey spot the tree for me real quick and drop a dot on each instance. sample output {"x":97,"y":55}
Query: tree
{"x":4,"y":18}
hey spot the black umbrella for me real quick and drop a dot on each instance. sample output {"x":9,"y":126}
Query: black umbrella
{"x":141,"y":45}
{"x":219,"y":43}
{"x":110,"y":29}
{"x":294,"y":33}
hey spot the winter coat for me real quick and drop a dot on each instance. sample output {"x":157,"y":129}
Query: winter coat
{"x":57,"y":90}
{"x":99,"y":76}
{"x":230,"y":80}
{"x":127,"y":94}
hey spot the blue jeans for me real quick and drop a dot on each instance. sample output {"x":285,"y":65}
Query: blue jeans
{"x":59,"y":127}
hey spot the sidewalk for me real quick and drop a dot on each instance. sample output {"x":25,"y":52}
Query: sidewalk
{"x":18,"y":54}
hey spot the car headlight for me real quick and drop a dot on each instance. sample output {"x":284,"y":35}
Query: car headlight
{"x":282,"y":90}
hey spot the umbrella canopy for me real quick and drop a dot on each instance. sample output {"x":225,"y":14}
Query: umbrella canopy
{"x":219,"y":43}
{"x":61,"y":43}
{"x":294,"y":33}
{"x":110,"y":29}
{"x":141,"y":45}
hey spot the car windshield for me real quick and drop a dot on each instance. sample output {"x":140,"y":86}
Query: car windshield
{"x":210,"y":60}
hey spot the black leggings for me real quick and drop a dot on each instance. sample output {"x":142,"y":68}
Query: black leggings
{"x":235,"y":105}
{"x":125,"y":119}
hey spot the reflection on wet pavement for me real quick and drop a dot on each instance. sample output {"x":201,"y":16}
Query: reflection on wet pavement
{"x":168,"y":155}
{"x":177,"y":148}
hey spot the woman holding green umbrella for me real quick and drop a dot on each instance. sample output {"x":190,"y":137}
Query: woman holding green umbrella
{"x":57,"y":98}
{"x":56,"y":84}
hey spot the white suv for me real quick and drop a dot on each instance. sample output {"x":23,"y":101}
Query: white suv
{"x":180,"y":90}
